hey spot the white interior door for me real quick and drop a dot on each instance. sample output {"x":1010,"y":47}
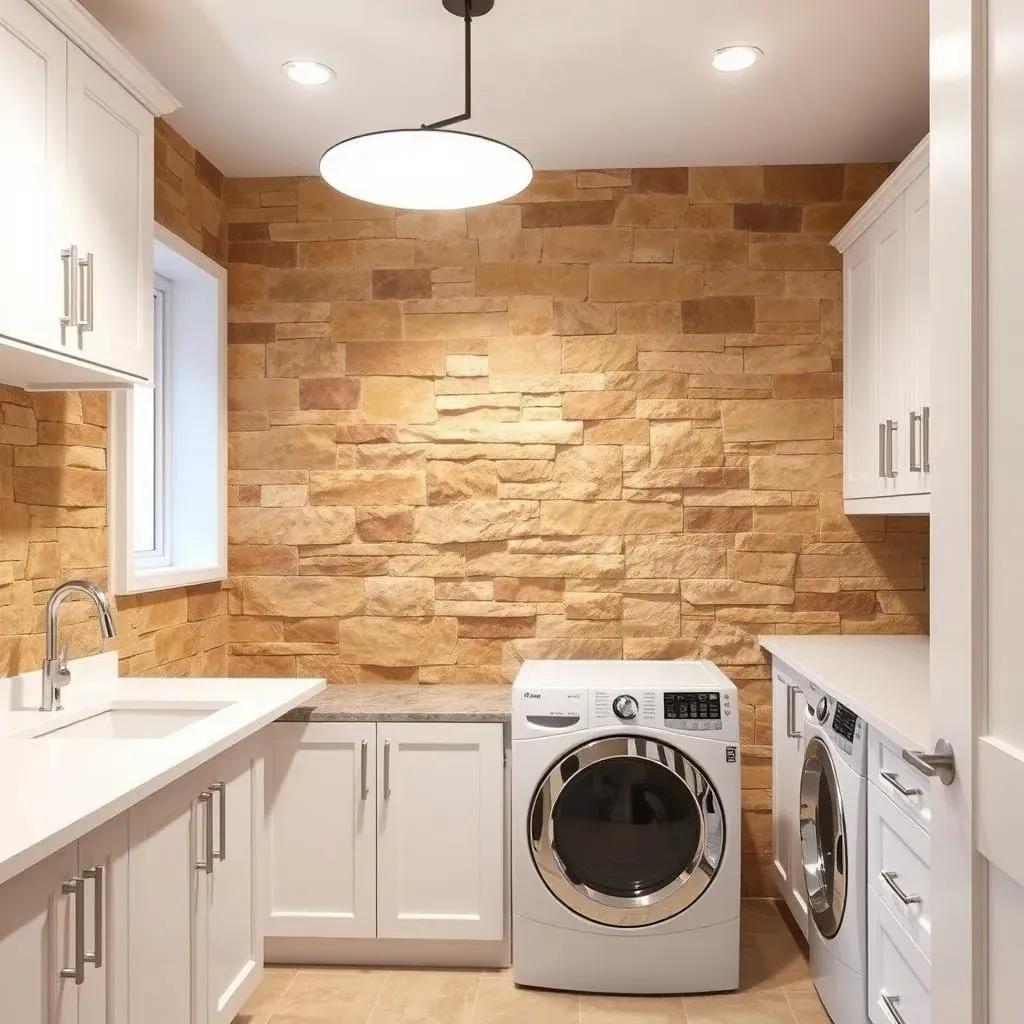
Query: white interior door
{"x":440,"y":827}
{"x":321,"y":829}
{"x":33,"y":144}
{"x":977,"y":702}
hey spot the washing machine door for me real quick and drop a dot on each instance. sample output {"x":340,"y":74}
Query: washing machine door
{"x":626,"y":831}
{"x":823,"y":839}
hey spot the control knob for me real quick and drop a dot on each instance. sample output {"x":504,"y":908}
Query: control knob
{"x":625,"y":707}
{"x":822,"y":710}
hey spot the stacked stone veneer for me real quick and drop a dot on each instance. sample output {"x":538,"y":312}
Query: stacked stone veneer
{"x":603,"y":420}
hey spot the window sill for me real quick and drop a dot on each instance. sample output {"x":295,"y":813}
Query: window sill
{"x":170,"y":577}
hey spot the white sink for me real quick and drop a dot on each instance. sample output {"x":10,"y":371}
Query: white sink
{"x":131,"y":722}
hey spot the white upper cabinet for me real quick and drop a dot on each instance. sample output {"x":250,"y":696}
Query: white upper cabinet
{"x":110,"y":220}
{"x":33,"y":154}
{"x":886,"y":345}
{"x":76,"y":202}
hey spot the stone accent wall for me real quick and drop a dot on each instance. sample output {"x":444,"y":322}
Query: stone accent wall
{"x":53,"y":491}
{"x":600,"y":421}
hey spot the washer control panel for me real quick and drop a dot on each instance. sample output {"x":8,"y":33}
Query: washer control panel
{"x":625,"y":707}
{"x":696,"y":710}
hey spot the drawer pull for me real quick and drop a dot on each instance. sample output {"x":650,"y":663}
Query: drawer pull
{"x":889,"y":1002}
{"x":894,"y":780}
{"x":889,"y":877}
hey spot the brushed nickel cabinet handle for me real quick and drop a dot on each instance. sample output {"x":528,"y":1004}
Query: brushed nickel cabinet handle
{"x":69,"y":260}
{"x":791,"y":730}
{"x":889,"y":877}
{"x":387,"y":769}
{"x":926,"y":439}
{"x":76,"y":888}
{"x":915,"y":466}
{"x":363,"y":756}
{"x":96,"y":874}
{"x":894,"y":780}
{"x":206,"y":802}
{"x":890,"y":432}
{"x":221,"y":789}
{"x":881,"y":449}
{"x":86,"y":292}
{"x":889,"y":1002}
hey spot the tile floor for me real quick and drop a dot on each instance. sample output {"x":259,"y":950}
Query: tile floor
{"x":775,"y":988}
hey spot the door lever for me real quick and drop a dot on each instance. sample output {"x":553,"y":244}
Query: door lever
{"x":941,"y":765}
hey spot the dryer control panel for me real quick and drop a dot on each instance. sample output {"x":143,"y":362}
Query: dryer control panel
{"x":689,"y":710}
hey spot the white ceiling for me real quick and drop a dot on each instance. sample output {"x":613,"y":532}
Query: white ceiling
{"x":572,"y":83}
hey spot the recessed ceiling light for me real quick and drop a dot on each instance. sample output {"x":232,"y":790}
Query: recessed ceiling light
{"x":736,"y":58}
{"x":308,"y":72}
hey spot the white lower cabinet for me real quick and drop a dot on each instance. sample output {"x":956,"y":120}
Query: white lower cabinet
{"x":321,"y":829}
{"x":196,"y":921}
{"x":787,"y":765}
{"x":64,"y":935}
{"x":393,"y":831}
{"x":440,"y":835}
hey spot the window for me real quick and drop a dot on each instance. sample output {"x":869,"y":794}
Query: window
{"x":168,"y":445}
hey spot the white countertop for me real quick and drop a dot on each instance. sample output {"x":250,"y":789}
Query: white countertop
{"x":56,"y":790}
{"x":884,"y":679}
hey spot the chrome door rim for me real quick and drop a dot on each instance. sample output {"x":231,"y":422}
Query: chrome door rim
{"x":825,"y":897}
{"x":649,"y":908}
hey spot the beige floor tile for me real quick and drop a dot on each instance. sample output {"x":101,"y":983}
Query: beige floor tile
{"x":768,"y":1007}
{"x":807,"y":1008}
{"x":427,"y":997}
{"x":770,"y":961}
{"x":342,"y":995}
{"x":631,"y":1010}
{"x":247,"y":1018}
{"x":498,"y":1001}
{"x":274,"y":984}
{"x":761,"y":917}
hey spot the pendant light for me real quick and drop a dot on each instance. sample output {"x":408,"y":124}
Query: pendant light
{"x":430,"y":167}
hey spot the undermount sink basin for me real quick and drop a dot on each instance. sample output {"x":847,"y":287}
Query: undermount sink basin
{"x":134,"y":722}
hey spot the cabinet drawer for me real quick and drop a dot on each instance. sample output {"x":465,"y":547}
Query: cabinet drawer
{"x":901,"y":782}
{"x":899,"y":854}
{"x":899,"y":976}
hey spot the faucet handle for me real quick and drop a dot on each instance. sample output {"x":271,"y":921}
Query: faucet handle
{"x":62,"y":662}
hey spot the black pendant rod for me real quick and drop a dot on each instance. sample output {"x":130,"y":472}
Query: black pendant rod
{"x":468,"y":19}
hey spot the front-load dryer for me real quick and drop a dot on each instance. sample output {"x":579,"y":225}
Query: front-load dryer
{"x":833,"y":846}
{"x":625,"y":827}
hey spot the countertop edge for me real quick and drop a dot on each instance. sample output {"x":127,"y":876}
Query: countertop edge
{"x":779,"y":647}
{"x":301,"y":715}
{"x":37,"y":851}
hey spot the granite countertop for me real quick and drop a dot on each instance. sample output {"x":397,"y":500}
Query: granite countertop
{"x":388,"y":702}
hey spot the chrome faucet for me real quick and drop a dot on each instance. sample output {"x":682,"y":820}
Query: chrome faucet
{"x":56,"y":674}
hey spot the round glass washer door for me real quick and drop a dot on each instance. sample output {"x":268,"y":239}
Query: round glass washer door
{"x":823,"y":839}
{"x":626,"y":831}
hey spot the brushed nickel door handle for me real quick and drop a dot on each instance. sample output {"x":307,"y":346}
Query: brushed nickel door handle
{"x":364,"y":790}
{"x":206,"y":802}
{"x":387,"y":769}
{"x":881,"y":449}
{"x":894,"y":780}
{"x":915,"y":465}
{"x":890,"y":432}
{"x":889,"y":1002}
{"x":926,"y":439}
{"x":69,"y":262}
{"x":87,"y":292}
{"x":889,"y":877}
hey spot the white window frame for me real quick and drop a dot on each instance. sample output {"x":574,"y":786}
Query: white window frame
{"x":190,"y":337}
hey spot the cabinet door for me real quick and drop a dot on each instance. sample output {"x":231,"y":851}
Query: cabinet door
{"x":110,"y":214}
{"x":889,"y":241}
{"x":33,"y":145}
{"x":234,"y":927}
{"x":919,"y":336}
{"x":103,"y":863}
{"x":787,"y":764}
{"x":321,"y":829}
{"x":440,"y":831}
{"x":862,"y":475}
{"x":162,"y":894}
{"x":37,"y":941}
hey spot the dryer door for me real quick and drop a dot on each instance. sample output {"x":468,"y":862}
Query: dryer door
{"x":823,"y":839}
{"x":626,"y":831}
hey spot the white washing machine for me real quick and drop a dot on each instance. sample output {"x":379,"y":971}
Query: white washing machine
{"x":625,"y":827}
{"x":833,"y":843}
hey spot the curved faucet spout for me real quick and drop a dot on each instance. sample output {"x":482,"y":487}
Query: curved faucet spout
{"x":55,"y":672}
